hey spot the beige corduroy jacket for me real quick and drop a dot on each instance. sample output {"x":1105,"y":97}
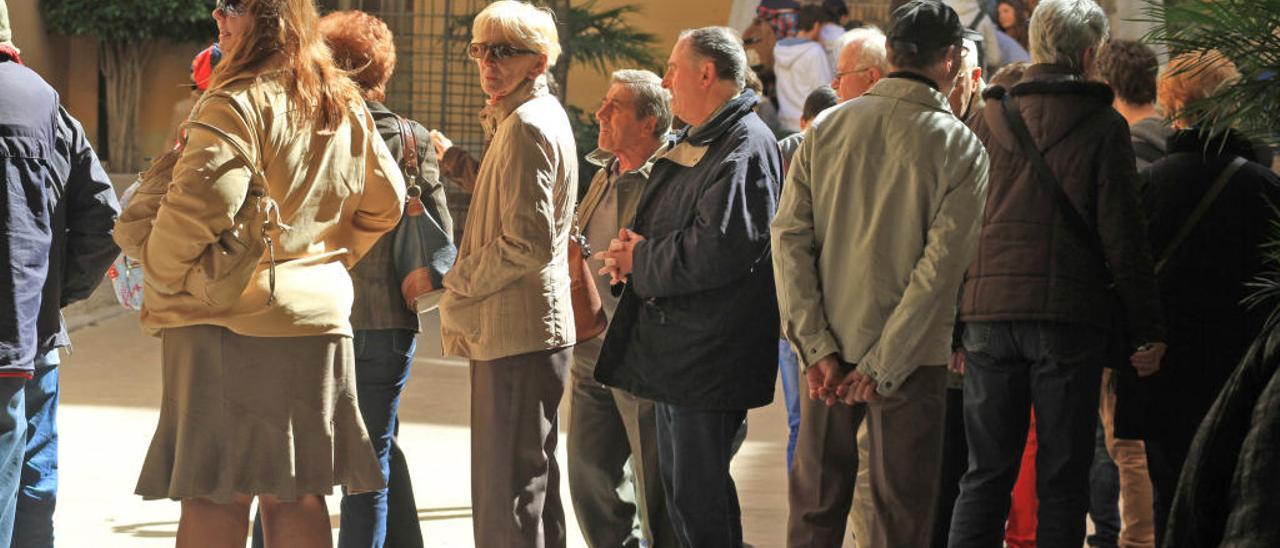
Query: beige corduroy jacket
{"x":508,"y":292}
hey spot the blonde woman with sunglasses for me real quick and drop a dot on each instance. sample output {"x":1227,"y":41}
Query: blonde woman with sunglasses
{"x":506,"y":304}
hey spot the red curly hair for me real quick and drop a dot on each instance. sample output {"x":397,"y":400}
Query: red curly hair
{"x":363,"y":46}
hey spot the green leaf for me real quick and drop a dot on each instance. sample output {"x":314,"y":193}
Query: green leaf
{"x":132,"y":21}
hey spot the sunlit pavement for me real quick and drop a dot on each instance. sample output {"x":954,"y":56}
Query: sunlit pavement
{"x":110,"y":393}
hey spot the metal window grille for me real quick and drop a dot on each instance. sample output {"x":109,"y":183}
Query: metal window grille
{"x":434,"y":82}
{"x":875,"y":12}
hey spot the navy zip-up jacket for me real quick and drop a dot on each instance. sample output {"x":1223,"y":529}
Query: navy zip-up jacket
{"x":697,"y":323}
{"x":84,"y":215}
{"x":28,"y":133}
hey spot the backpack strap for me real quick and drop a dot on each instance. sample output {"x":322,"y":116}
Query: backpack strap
{"x":1045,"y":176}
{"x":1197,"y":215}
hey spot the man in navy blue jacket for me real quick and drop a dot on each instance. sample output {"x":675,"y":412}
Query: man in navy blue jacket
{"x":28,"y":135}
{"x":82,"y":208}
{"x":697,"y":324}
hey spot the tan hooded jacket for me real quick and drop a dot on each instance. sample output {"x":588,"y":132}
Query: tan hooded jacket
{"x":337,"y":191}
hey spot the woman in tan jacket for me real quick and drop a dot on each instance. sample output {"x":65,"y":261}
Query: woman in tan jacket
{"x":259,"y":396}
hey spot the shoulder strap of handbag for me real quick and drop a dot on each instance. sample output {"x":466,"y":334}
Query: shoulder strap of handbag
{"x":1050,"y":182}
{"x":1206,"y":202}
{"x":409,"y":158}
{"x":259,"y":177}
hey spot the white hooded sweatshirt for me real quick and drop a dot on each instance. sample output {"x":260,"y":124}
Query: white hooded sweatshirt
{"x":801,"y":66}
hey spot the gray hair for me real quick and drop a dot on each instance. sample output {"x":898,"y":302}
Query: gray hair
{"x":1061,"y":31}
{"x":651,"y":99}
{"x":871,"y":42}
{"x":723,"y":47}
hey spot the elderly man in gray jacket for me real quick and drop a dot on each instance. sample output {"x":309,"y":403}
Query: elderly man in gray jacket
{"x":877,"y":222}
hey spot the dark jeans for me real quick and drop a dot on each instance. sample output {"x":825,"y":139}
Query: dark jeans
{"x":1009,"y":368}
{"x":38,"y":494}
{"x":955,"y":460}
{"x":384,"y":358}
{"x":694,"y":450}
{"x":1104,"y":496}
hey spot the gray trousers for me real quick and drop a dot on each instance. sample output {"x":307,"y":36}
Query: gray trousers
{"x":607,"y":428}
{"x":904,"y":444}
{"x":515,"y":480}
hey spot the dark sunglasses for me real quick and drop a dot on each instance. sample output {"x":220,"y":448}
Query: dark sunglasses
{"x":231,"y":7}
{"x":478,"y":50}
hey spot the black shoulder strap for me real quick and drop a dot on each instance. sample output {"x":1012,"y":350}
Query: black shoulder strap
{"x":1203,"y":207}
{"x":1070,"y":214}
{"x":973,"y":25}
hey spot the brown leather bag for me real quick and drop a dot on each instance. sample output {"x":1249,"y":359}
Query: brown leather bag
{"x":588,"y":309}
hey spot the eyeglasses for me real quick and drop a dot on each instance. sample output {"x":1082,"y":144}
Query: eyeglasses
{"x":231,"y":8}
{"x":498,"y":52}
{"x":840,"y":75}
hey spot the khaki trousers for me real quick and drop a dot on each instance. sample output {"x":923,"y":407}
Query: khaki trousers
{"x":904,"y":444}
{"x":613,"y":467}
{"x":1137,"y":520}
{"x":515,"y":480}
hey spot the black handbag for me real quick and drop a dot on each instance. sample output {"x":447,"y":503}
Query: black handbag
{"x":421,"y":249}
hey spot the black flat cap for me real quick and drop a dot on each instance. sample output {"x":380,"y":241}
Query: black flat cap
{"x":924,"y":25}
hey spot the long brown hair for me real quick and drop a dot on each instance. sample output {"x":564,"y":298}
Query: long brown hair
{"x":290,"y":29}
{"x":1021,"y":18}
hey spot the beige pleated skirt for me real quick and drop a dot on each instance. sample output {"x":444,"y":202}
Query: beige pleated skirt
{"x":257,"y":416}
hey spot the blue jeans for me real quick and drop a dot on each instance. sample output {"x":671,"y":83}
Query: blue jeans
{"x":789,"y":370}
{"x":384,"y":358}
{"x":694,"y":450}
{"x":1009,"y":368}
{"x":38,"y":494}
{"x":13,"y":438}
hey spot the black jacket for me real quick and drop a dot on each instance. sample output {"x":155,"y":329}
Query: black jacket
{"x":378,"y":303}
{"x":28,"y":131}
{"x":1203,"y":284}
{"x":84,"y":216}
{"x":1227,"y":492}
{"x":697,"y":324}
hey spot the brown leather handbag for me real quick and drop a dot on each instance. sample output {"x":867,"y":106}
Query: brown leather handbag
{"x":588,"y":310}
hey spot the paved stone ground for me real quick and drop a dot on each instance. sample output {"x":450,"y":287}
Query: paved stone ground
{"x":110,"y":392}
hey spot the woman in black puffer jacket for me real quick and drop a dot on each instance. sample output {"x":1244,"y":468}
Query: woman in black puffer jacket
{"x":1203,"y":280}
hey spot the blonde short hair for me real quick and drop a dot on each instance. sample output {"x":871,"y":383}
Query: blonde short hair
{"x":522,"y":24}
{"x":1192,"y":77}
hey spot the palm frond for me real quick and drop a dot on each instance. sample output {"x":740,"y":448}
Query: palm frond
{"x":1266,"y":286}
{"x":603,"y":37}
{"x":1247,"y":32}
